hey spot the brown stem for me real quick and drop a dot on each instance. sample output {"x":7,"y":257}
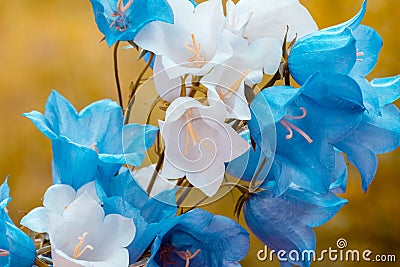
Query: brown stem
{"x":155,"y":173}
{"x":116,"y":74}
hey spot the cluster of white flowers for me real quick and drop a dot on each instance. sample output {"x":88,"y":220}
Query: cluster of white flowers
{"x":206,"y":50}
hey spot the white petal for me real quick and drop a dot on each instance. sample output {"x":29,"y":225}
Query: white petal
{"x":169,"y":89}
{"x":60,"y":259}
{"x":209,"y":180}
{"x":238,"y":144}
{"x":120,"y":230}
{"x":90,"y":188}
{"x":144,"y":175}
{"x":58,"y":197}
{"x":36,"y":220}
{"x":271,"y":17}
{"x":84,"y":209}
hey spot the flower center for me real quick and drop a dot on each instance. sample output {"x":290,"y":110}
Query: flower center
{"x":118,"y":18}
{"x":197,"y":59}
{"x":165,"y":253}
{"x":78,"y":251}
{"x":289,"y":126}
{"x":4,"y":253}
{"x":234,"y":86}
{"x":192,"y":134}
{"x":187,"y":255}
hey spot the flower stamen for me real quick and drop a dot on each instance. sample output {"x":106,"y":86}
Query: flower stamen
{"x":123,"y":8}
{"x":77,"y":250}
{"x":187,"y":255}
{"x":165,"y":253}
{"x":119,"y":19}
{"x":4,"y":253}
{"x":197,"y":59}
{"x":191,"y":132}
{"x":94,"y":147}
{"x":359,"y":54}
{"x":234,"y":87}
{"x":289,"y":126}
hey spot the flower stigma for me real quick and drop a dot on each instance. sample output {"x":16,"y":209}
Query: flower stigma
{"x":197,"y":59}
{"x":187,"y":255}
{"x":191,"y":132}
{"x":234,"y":86}
{"x":77,"y":250}
{"x":94,"y":147}
{"x":4,"y":253}
{"x":289,"y":126}
{"x":359,"y":54}
{"x":119,"y":18}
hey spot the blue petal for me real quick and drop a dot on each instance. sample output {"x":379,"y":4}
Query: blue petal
{"x":78,"y":138}
{"x":22,"y":251}
{"x":284,"y":223}
{"x":323,"y":51}
{"x":354,"y":22}
{"x":40,"y":122}
{"x":21,"y":248}
{"x":370,"y":95}
{"x":369,"y":43}
{"x":4,"y":194}
{"x":222,"y":241}
{"x":375,"y":135}
{"x":161,"y":207}
{"x":268,"y":107}
{"x":246,"y":166}
{"x":73,"y":164}
{"x":137,"y":139}
{"x":334,"y":108}
{"x":339,"y":183}
{"x":140,"y":13}
{"x":387,"y":89}
{"x":124,"y":186}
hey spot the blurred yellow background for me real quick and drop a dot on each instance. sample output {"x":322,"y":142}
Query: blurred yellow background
{"x":54,"y":44}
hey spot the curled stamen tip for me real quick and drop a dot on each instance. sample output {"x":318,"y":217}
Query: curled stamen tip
{"x":4,"y":253}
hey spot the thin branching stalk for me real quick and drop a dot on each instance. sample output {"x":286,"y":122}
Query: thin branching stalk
{"x":155,"y":173}
{"x":116,"y":74}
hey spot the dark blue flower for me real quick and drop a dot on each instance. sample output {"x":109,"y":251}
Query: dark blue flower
{"x":121,"y":20}
{"x":286,"y":222}
{"x":90,"y":142}
{"x":16,"y":248}
{"x":308,"y":121}
{"x":200,"y":239}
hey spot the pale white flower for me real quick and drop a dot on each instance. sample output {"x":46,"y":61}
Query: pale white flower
{"x":144,"y":175}
{"x":255,"y":19}
{"x":198,"y":142}
{"x":226,"y":82}
{"x":56,"y":199}
{"x":80,"y":233}
{"x":193,"y":44}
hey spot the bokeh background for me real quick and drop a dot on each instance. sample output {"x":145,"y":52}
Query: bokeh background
{"x":54,"y":44}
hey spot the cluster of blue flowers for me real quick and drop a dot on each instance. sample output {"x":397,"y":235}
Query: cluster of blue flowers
{"x":335,"y":112}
